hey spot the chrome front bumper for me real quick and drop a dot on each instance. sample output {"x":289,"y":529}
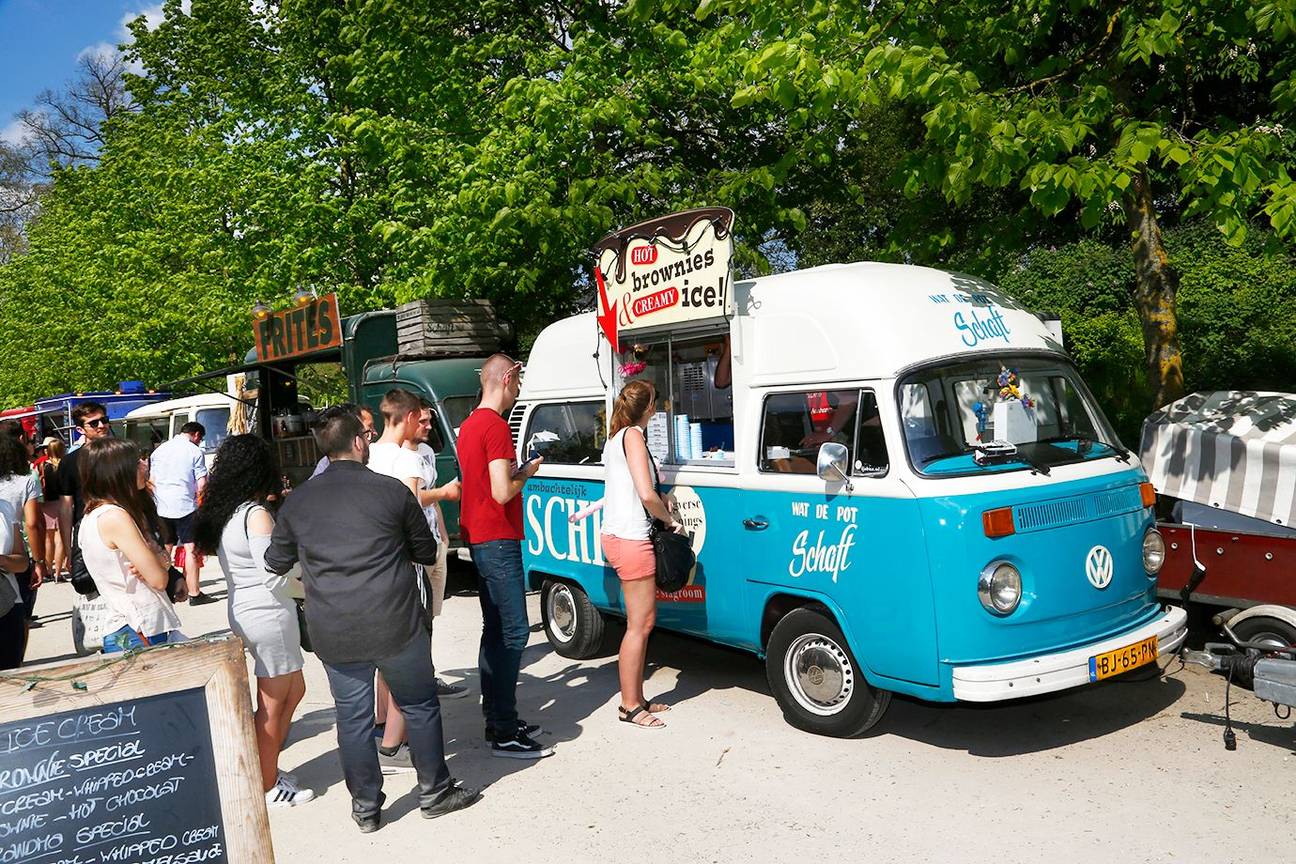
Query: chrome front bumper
{"x":1048,"y":673}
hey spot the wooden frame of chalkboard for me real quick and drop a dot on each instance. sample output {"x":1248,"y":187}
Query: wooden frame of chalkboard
{"x":213,"y":667}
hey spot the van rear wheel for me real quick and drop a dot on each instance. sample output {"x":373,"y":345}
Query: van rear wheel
{"x":816,"y":679}
{"x":572,"y":624}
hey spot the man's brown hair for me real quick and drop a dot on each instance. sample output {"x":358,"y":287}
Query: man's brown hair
{"x":397,"y":404}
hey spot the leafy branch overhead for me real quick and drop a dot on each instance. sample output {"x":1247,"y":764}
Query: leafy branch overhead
{"x":455,"y":148}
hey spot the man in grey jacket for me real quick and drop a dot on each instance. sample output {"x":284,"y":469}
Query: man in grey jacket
{"x":355,"y":533}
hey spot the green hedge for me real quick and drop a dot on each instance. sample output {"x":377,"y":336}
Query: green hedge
{"x":1237,"y":315}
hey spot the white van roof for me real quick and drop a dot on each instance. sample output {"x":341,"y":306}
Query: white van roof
{"x":838,"y":321}
{"x":165,"y":408}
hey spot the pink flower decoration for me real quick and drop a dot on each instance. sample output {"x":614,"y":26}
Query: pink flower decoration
{"x":634,"y":367}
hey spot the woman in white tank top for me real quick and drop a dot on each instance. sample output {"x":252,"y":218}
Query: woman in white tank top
{"x":113,"y":539}
{"x":630,"y":502}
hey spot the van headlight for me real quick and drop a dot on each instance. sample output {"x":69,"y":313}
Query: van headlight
{"x":999,"y":588}
{"x":1153,"y":551}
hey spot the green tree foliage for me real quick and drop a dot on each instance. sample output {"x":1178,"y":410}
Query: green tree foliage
{"x":445,"y":147}
{"x":1093,"y":111}
{"x":1237,"y":313}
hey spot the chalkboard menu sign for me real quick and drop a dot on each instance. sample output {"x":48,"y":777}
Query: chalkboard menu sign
{"x":149,"y":778}
{"x":133,"y":781}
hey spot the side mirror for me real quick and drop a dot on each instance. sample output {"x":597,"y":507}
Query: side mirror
{"x":833,"y":460}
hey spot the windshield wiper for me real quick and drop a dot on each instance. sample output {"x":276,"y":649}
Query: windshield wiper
{"x":994,"y":454}
{"x":1119,"y":452}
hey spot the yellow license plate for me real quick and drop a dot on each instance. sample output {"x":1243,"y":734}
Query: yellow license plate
{"x":1123,"y":659}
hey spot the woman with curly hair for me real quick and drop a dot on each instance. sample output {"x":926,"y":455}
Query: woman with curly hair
{"x":234,"y":522}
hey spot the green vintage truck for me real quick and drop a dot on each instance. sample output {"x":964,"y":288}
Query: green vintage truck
{"x":432,"y":348}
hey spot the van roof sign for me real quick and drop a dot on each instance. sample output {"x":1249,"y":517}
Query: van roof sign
{"x":665,"y":273}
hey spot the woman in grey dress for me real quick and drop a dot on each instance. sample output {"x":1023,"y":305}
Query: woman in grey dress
{"x":234,"y":522}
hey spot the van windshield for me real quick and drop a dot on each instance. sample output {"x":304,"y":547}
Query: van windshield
{"x":1001,"y":414}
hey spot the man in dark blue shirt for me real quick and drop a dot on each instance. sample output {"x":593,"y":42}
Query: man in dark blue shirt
{"x":355,"y":533}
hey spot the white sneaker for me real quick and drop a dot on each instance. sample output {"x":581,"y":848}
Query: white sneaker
{"x":289,"y":779}
{"x":283,"y":795}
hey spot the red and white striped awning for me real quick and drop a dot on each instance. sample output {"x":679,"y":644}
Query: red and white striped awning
{"x":1231,"y":449}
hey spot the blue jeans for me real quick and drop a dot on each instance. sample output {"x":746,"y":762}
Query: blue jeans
{"x":505,"y":630}
{"x":412,"y":681}
{"x":126,"y":639}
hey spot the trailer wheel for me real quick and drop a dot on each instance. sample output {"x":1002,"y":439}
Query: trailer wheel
{"x":816,"y":679}
{"x":1270,"y":631}
{"x":572,"y":624}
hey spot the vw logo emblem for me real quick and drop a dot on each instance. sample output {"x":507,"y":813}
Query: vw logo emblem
{"x":1098,"y":567}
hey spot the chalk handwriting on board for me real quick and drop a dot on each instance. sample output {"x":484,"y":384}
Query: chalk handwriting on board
{"x":131,"y":782}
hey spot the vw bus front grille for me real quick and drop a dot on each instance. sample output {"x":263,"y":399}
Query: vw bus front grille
{"x":1071,"y":511}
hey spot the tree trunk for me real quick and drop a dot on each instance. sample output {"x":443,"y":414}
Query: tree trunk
{"x":1156,"y":283}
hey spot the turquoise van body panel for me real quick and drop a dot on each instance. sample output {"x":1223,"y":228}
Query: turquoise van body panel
{"x":1056,"y":529}
{"x":898,"y":574}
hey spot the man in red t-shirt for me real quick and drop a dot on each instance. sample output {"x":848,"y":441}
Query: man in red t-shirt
{"x":490,"y":518}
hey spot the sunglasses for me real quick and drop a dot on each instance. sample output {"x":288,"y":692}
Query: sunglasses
{"x":97,"y":422}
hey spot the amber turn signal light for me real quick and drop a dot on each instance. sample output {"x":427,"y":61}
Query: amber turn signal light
{"x":998,"y":523}
{"x":1148,"y":493}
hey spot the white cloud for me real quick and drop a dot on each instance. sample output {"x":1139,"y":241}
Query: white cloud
{"x":102,"y":50}
{"x":14,"y":134}
{"x":153,"y":18}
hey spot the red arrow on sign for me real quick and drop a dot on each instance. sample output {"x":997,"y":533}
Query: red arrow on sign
{"x":607,"y":320}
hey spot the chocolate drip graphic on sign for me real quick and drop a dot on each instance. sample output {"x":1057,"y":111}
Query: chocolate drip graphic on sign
{"x":665,"y":272}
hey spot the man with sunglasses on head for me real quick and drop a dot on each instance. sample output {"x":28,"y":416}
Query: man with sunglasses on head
{"x":490,"y":519}
{"x":91,"y":420}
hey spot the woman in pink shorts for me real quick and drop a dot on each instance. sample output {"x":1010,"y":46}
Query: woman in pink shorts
{"x":630,"y":502}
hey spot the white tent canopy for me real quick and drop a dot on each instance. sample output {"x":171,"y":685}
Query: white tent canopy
{"x":1231,"y":449}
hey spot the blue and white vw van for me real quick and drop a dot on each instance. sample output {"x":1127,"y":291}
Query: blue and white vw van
{"x":895,"y":482}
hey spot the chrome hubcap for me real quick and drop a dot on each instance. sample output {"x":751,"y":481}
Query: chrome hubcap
{"x":1269,"y":640}
{"x":819,"y":674}
{"x":562,"y":613}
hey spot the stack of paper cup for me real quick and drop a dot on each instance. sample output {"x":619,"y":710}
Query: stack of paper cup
{"x":683,"y":441}
{"x":695,"y":441}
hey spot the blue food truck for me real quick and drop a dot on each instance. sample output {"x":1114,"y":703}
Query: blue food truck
{"x":894,"y":479}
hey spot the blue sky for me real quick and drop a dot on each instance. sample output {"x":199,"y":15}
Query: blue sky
{"x":40,"y":41}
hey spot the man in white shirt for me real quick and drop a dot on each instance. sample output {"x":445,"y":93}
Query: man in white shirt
{"x":178,"y":475}
{"x":430,"y":497}
{"x":393,"y":454}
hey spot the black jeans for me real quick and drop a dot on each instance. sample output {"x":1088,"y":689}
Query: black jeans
{"x":13,"y":636}
{"x":410,"y":677}
{"x":505,"y":630}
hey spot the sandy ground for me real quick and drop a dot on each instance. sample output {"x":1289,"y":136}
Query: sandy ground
{"x":1123,"y":771}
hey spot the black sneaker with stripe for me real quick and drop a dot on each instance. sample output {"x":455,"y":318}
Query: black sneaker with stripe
{"x":529,"y":729}
{"x":520,"y":746}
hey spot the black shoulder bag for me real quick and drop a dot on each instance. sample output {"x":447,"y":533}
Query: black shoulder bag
{"x":82,"y":582}
{"x":672,"y":551}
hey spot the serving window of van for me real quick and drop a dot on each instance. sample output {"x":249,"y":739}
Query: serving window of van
{"x":567,"y":433}
{"x":694,"y":423}
{"x":1001,"y":414}
{"x":795,"y":424}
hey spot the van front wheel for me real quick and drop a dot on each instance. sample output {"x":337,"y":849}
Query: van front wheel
{"x":816,"y":679}
{"x":572,"y":624}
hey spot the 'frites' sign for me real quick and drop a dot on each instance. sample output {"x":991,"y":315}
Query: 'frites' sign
{"x":313,"y":326}
{"x":665,"y":272}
